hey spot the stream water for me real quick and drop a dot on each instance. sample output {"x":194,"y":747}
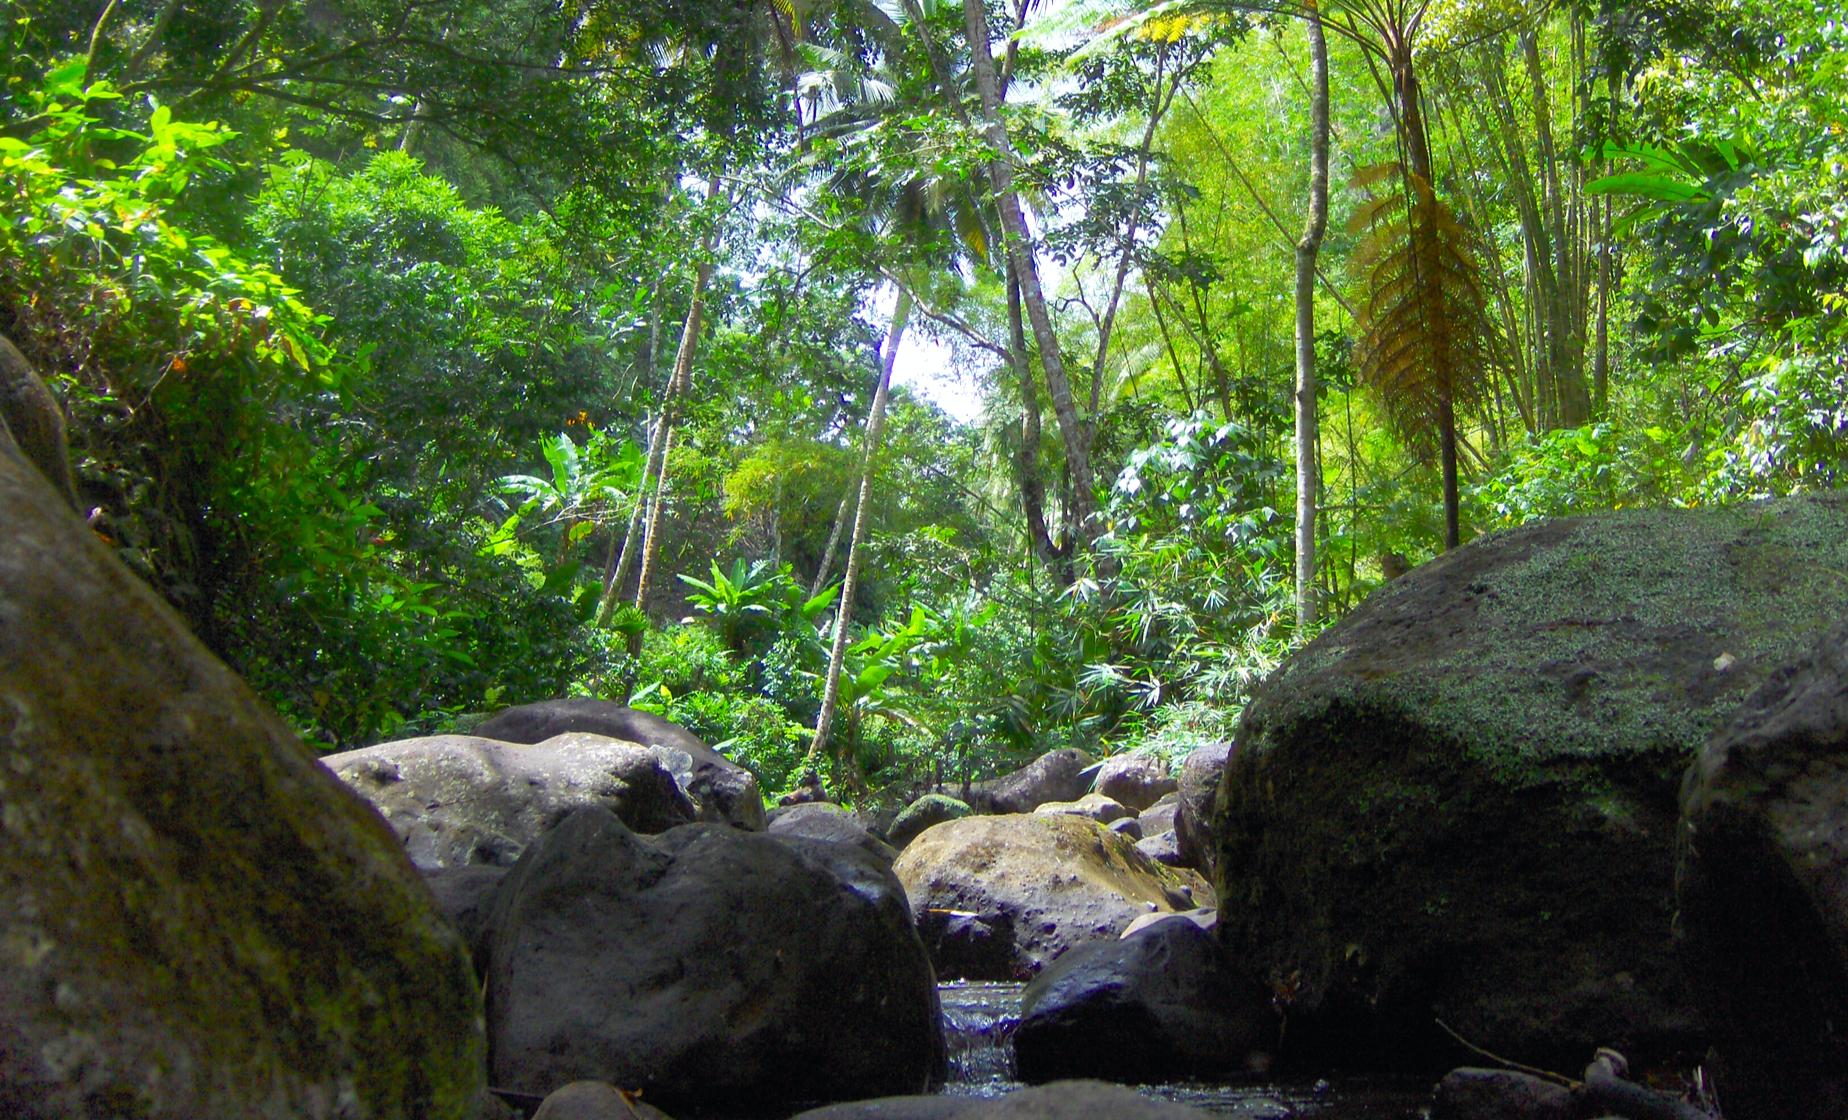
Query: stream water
{"x":978,"y":1025}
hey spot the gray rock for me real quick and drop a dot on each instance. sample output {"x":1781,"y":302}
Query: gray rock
{"x":594,"y":1100}
{"x":1764,"y":892}
{"x":457,"y":800}
{"x":1127,"y":826}
{"x":927,"y":811}
{"x":1499,"y":1094}
{"x":466,"y":895}
{"x":1061,"y":1100}
{"x":196,"y":920}
{"x":1136,"y":781}
{"x":1204,"y":917}
{"x":723,"y":790}
{"x":1059,"y":775}
{"x":710,"y":967}
{"x":999,"y":897}
{"x":1197,"y":800}
{"x":1163,"y":848}
{"x":1092,"y":806}
{"x":822,"y":820}
{"x":1160,"y":816}
{"x":1461,"y":799}
{"x":31,"y":422}
{"x":1162,"y":1005}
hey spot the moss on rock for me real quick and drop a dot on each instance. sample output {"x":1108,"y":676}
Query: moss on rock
{"x":1459,"y":802}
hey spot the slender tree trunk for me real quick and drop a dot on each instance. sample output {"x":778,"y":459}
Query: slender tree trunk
{"x":1307,"y":435}
{"x":1019,"y":240}
{"x":1565,"y":345}
{"x":843,"y":614}
{"x":827,"y":553}
{"x":678,"y":384}
{"x":1026,"y":457}
{"x":1601,"y":355}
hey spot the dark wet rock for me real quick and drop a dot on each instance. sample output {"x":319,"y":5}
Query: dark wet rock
{"x":594,"y":1100}
{"x":1198,"y":800}
{"x":1061,"y":1100}
{"x":1163,"y":1005}
{"x":723,"y":790}
{"x":456,"y":800}
{"x":1460,"y":802}
{"x":1127,"y":826}
{"x":822,"y":820}
{"x":1764,"y":892}
{"x":1061,"y":775}
{"x":1163,"y":848}
{"x":196,"y":919}
{"x":466,"y":895}
{"x":709,"y":967}
{"x":1500,"y":1094}
{"x":931,"y":809}
{"x":1092,"y":806}
{"x":1136,"y":781}
{"x":998,"y":897}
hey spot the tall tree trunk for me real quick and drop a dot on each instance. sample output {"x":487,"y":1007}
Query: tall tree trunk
{"x":843,"y":614}
{"x":678,"y":385}
{"x":1307,"y":436}
{"x":1026,"y":457}
{"x":1564,"y":344}
{"x":1019,"y":240}
{"x":1601,"y":356}
{"x":827,"y":553}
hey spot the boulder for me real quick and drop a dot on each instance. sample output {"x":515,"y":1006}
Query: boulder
{"x":31,"y":424}
{"x":824,"y":820}
{"x":1061,"y":775}
{"x":1061,"y":1100}
{"x":1205,"y":917}
{"x":195,"y":918}
{"x":1460,"y":802}
{"x":1163,"y":1005}
{"x":1764,"y":892}
{"x":1196,"y":801}
{"x":456,"y":800}
{"x":709,"y":967}
{"x":1500,"y":1094}
{"x":1127,"y":826}
{"x":931,"y":809}
{"x":809,"y":791}
{"x":722,"y":790}
{"x":466,"y":896}
{"x":1163,"y":848}
{"x":1092,"y":806}
{"x":1160,"y":816}
{"x":1136,"y":781}
{"x":594,"y":1100}
{"x":999,"y":897}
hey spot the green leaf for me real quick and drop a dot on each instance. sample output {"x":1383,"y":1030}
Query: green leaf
{"x":1643,"y":184}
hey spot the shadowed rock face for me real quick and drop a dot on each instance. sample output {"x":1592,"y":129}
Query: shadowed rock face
{"x":1165,"y":1003}
{"x":1061,"y":775}
{"x":1764,"y":892}
{"x":710,"y":967}
{"x":723,"y":790}
{"x":1462,"y":799}
{"x":196,"y":919}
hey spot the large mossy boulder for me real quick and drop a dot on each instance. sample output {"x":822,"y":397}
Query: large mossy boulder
{"x":1764,"y":893}
{"x":712,"y":968}
{"x":1000,"y":897}
{"x":1460,"y":803}
{"x":196,"y":919}
{"x":461,"y":800}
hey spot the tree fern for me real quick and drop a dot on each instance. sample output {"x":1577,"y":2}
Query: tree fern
{"x":1426,"y":346}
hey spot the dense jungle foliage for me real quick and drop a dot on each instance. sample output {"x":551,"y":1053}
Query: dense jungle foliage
{"x":435,"y":355}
